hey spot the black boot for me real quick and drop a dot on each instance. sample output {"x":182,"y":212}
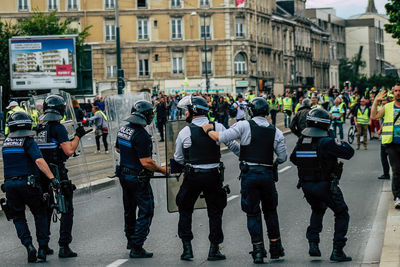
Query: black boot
{"x":66,"y":252}
{"x":214,"y":254}
{"x":276,"y":250}
{"x":314,"y":250}
{"x":42,"y":253}
{"x":187,"y":251}
{"x":31,"y":252}
{"x":258,"y":253}
{"x":128,"y":246}
{"x":339,"y":255}
{"x":49,"y":251}
{"x":139,"y":252}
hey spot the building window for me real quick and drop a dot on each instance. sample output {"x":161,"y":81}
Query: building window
{"x":206,"y":64}
{"x":52,"y":4}
{"x":144,"y":68}
{"x":141,"y":3}
{"x":239,"y":29}
{"x":240,"y":64}
{"x":109,"y":4}
{"x":175,"y":3}
{"x":176,"y":25}
{"x":205,"y":28}
{"x":72,"y":4}
{"x":204,"y":2}
{"x":110,"y":30}
{"x":143,"y":31}
{"x":23,"y":5}
{"x":111,"y":65}
{"x":177,"y":63}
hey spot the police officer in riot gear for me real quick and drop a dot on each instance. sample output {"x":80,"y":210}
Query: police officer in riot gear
{"x":136,"y":167}
{"x":258,"y":142}
{"x":316,"y":155}
{"x":56,"y":147}
{"x":203,"y":173}
{"x":22,"y":161}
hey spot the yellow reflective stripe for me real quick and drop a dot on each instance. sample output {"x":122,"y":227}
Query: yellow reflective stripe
{"x":102,"y":113}
{"x":388,"y":121}
{"x":387,"y":133}
{"x":388,"y":124}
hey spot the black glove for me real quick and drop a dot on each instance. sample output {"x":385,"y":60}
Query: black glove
{"x":55,"y":183}
{"x":80,"y":131}
{"x":39,"y":128}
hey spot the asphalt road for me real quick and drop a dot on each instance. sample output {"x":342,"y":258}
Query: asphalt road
{"x":100,"y":241}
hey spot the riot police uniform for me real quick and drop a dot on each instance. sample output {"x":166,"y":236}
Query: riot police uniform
{"x":315,"y":156}
{"x":49,"y":140}
{"x":20,"y":155}
{"x":134,"y":143}
{"x":201,"y":157}
{"x":258,"y":142}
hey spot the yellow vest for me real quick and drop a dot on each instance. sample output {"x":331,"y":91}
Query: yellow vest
{"x":326,"y":98}
{"x":296,"y":108}
{"x":388,"y":121}
{"x":363,"y":118}
{"x":273,"y":105}
{"x":16,"y":109}
{"x":287,"y":103}
{"x":279,"y":100}
{"x":250,"y":97}
{"x":102,"y":113}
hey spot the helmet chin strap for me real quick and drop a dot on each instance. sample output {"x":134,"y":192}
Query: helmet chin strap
{"x":189,"y":118}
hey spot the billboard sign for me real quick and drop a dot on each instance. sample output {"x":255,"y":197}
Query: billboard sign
{"x":43,"y":62}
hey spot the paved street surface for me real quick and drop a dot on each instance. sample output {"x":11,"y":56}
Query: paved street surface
{"x":100,"y":241}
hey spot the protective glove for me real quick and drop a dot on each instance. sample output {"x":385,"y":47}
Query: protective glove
{"x":55,"y":183}
{"x":80,"y":131}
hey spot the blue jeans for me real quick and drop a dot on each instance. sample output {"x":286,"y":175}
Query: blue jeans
{"x":340,"y":126}
{"x":137,"y":194}
{"x":320,"y":197}
{"x":259,"y":187}
{"x":173,"y":114}
{"x":19,"y":194}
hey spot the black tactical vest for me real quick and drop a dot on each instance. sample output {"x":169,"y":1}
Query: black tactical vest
{"x":50,"y":147}
{"x":204,"y":150}
{"x":311,"y":166}
{"x":261,"y":147}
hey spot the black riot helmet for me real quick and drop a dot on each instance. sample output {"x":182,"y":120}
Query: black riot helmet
{"x":318,"y":123}
{"x":142,"y":113}
{"x":196,"y":105}
{"x":20,"y":125}
{"x":54,"y":108}
{"x":258,"y":107}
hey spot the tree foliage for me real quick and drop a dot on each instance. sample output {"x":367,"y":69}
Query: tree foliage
{"x":393,"y":12}
{"x":38,"y":24}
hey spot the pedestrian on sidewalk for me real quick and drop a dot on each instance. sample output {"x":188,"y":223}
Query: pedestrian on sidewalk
{"x":101,"y":124}
{"x":361,"y":120}
{"x":287,"y":107}
{"x":391,"y":136}
{"x":273,"y":108}
{"x":258,"y":142}
{"x":162,"y":114}
{"x":337,"y":114}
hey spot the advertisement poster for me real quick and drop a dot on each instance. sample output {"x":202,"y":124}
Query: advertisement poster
{"x":43,"y":62}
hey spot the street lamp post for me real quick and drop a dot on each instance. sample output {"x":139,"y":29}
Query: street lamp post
{"x":205,"y":53}
{"x":120,"y":72}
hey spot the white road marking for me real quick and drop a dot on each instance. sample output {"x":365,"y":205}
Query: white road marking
{"x":117,"y":263}
{"x":284,"y":169}
{"x":232,"y":197}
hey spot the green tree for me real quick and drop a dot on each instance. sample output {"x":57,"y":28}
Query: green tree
{"x":38,"y":24}
{"x":393,"y":12}
{"x":347,"y":70}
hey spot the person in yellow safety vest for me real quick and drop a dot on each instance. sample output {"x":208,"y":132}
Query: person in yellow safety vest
{"x":250,"y":96}
{"x":314,"y":103}
{"x":342,"y":105}
{"x":273,"y":108}
{"x":280,"y":101}
{"x":391,"y":136}
{"x":361,"y":121}
{"x":296,"y":108}
{"x":100,"y":120}
{"x":337,"y":113}
{"x":287,"y":107}
{"x":34,"y":116}
{"x":325,"y":100}
{"x":13,"y":107}
{"x":353,"y":100}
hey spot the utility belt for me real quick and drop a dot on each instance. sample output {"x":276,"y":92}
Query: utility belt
{"x":245,"y":168}
{"x":129,"y":171}
{"x":15,"y":178}
{"x":143,"y":176}
{"x":220,"y":170}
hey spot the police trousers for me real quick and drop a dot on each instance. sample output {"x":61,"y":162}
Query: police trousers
{"x":66,"y":219}
{"x":210,"y":184}
{"x":18,"y":195}
{"x":393,"y":151}
{"x":136,"y":194}
{"x":259,"y":187}
{"x":320,"y":197}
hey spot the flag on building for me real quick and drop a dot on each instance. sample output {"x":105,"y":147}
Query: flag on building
{"x":240,"y":3}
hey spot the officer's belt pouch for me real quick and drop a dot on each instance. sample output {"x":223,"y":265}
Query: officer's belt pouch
{"x":67,"y":188}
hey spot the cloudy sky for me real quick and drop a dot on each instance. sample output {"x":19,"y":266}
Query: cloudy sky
{"x":347,"y":8}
